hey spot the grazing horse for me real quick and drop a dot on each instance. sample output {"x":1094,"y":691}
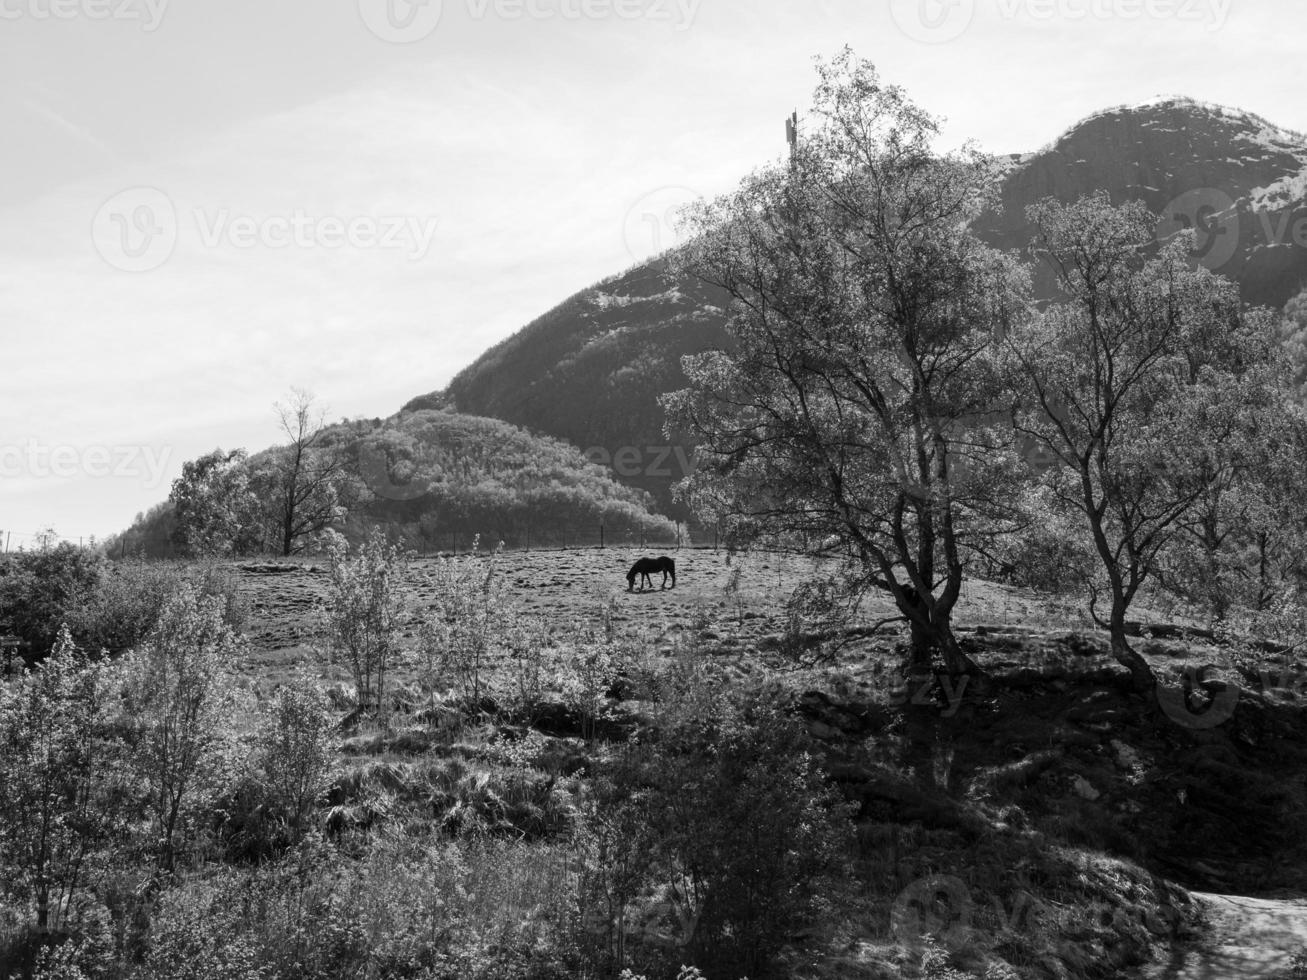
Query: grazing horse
{"x":647,"y":566}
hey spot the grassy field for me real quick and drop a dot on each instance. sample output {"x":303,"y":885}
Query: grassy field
{"x":1066,"y":808}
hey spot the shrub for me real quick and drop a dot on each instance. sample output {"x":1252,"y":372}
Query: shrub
{"x":62,"y":788}
{"x":738,"y":833}
{"x":365,"y":611}
{"x":177,"y":697}
{"x":39,"y":588}
{"x":294,"y":752}
{"x":199,"y":932}
{"x":124,"y":606}
{"x":471,"y":618}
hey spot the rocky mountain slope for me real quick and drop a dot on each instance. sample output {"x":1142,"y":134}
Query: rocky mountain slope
{"x":590,"y":370}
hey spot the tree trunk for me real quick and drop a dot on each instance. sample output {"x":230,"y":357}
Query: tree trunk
{"x":1140,"y":672}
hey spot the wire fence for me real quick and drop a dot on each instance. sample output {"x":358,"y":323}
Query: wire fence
{"x":555,"y":538}
{"x":41,"y":540}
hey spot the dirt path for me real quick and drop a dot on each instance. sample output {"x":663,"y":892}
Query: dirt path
{"x":1249,"y":938}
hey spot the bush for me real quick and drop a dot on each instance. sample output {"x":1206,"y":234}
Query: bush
{"x":365,"y":611}
{"x":470,"y":620}
{"x":177,"y":697}
{"x":724,"y":835}
{"x":199,"y":933}
{"x":119,"y":612}
{"x":39,"y":588}
{"x":63,"y":802}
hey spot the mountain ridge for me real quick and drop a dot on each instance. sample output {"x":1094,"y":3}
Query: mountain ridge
{"x":590,"y":369}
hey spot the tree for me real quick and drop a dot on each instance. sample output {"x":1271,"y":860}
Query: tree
{"x":62,"y":785}
{"x":366,"y":610}
{"x":294,"y":749}
{"x":859,"y":399}
{"x":1293,"y":335}
{"x":1136,"y":383}
{"x":216,"y":513}
{"x":40,"y":589}
{"x":1241,"y":539}
{"x":303,"y":481}
{"x":179,"y":699}
{"x":471,"y":617}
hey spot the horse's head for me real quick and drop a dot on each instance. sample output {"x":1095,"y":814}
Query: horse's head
{"x":630,"y":580}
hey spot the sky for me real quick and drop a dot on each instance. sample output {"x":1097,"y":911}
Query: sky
{"x":205,"y":203}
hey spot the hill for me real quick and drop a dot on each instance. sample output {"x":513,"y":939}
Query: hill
{"x":590,"y":370}
{"x":437,"y":479}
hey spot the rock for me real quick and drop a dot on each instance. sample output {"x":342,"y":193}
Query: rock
{"x":1085,"y":789}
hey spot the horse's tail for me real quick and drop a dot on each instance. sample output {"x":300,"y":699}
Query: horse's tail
{"x":671,"y":567}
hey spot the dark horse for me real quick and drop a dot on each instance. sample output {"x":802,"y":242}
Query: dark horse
{"x":646,"y":567}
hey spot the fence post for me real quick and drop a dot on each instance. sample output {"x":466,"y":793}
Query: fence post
{"x":601,"y":535}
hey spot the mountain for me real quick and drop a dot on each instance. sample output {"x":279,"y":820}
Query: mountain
{"x":1236,"y":178}
{"x":590,"y":370}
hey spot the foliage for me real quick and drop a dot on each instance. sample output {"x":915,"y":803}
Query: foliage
{"x":469,"y":620}
{"x":123,"y":607}
{"x":39,"y":588}
{"x":1141,"y":387}
{"x":293,"y":750}
{"x":214,"y":509}
{"x":177,"y":699}
{"x":62,"y":784}
{"x":198,"y":933}
{"x":433,"y":478}
{"x":151,"y":535}
{"x":303,"y":484}
{"x":866,"y":318}
{"x":727,"y":824}
{"x":1293,"y":338}
{"x":440,"y":476}
{"x":365,"y":611}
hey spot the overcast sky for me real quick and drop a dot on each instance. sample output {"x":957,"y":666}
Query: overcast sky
{"x":205,"y":202}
